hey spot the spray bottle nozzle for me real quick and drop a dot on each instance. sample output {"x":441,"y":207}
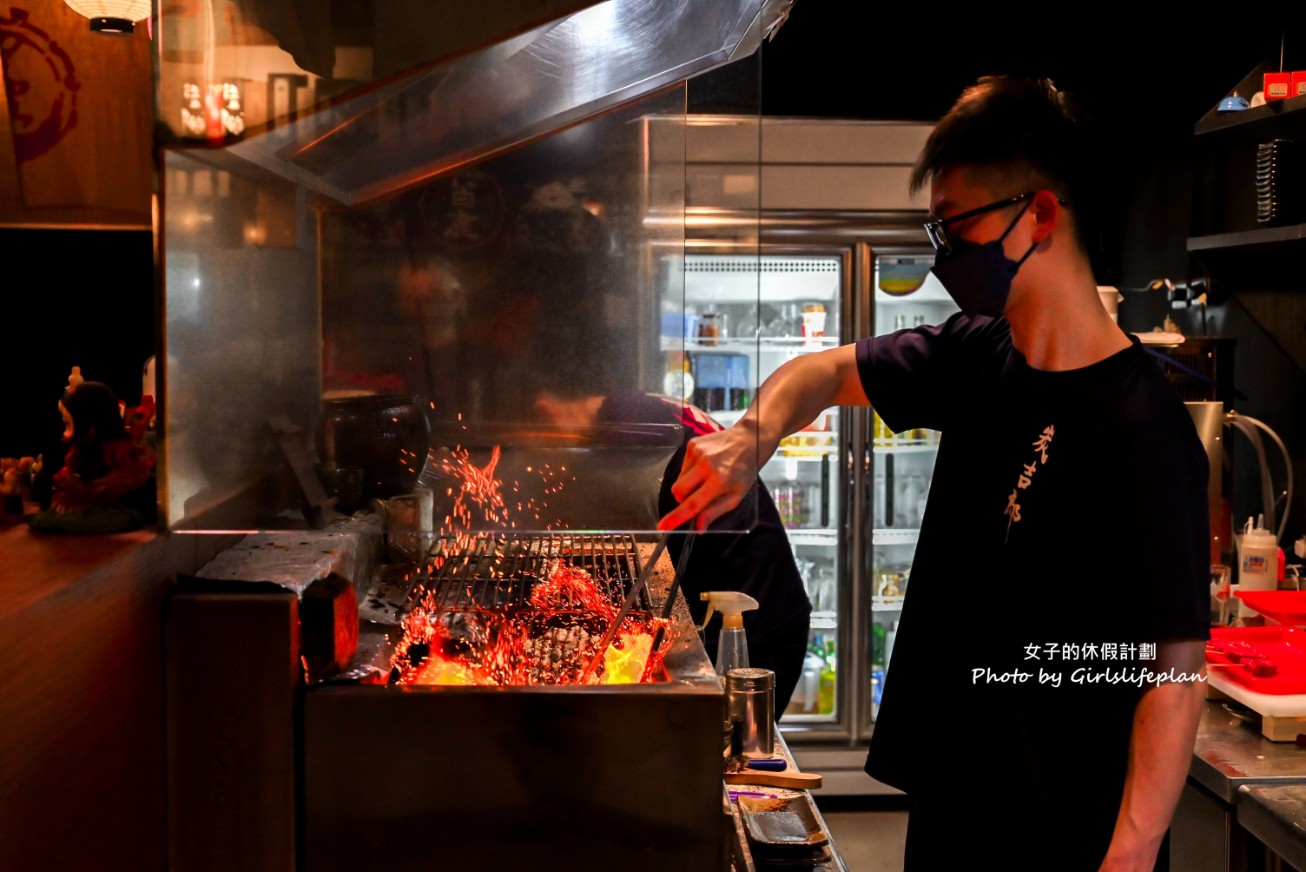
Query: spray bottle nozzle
{"x":730,"y":603}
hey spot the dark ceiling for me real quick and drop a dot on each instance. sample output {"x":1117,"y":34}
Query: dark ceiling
{"x":867,"y":61}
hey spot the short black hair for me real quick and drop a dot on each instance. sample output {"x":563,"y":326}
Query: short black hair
{"x":1028,"y":128}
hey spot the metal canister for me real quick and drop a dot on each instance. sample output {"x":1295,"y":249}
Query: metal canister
{"x":750,"y":701}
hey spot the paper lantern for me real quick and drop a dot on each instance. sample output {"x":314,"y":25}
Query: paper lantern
{"x":111,"y":16}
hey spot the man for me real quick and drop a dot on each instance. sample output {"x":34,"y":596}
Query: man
{"x":759,"y":562}
{"x":1063,"y":553}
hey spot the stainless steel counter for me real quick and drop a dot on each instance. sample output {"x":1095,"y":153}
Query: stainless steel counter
{"x":1245,"y":799}
{"x":1276,"y":815}
{"x":1231,"y":753}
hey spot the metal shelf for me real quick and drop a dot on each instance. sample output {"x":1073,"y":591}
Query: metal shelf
{"x":828,"y":536}
{"x":908,"y":448}
{"x":1284,"y":117}
{"x":886,"y":603}
{"x":812,"y":453}
{"x":788,"y":719}
{"x":801,"y":458}
{"x":762,"y":344}
{"x":1276,"y":118}
{"x":898,"y":536}
{"x":825,"y":621}
{"x":1249,"y":240}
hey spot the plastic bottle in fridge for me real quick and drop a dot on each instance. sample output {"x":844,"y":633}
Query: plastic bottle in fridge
{"x":826,"y":693}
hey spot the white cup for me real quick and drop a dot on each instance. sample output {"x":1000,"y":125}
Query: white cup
{"x":1110,"y":298}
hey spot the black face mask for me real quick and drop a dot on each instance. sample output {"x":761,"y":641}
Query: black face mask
{"x":978,"y":275}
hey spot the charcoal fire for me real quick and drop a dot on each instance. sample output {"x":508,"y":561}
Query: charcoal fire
{"x":510,"y":610}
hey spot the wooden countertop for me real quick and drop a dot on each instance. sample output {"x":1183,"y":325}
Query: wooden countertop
{"x":81,"y":684}
{"x":36,"y":565}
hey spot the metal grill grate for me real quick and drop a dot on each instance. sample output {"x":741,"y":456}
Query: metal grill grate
{"x":472,"y":609}
{"x":497,"y":573}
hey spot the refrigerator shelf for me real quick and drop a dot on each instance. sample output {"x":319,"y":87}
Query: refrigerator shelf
{"x":886,"y":603}
{"x":726,"y":417}
{"x":797,"y":458}
{"x":813,"y":537}
{"x":885,"y":447}
{"x":817,"y":451}
{"x":824,"y":621}
{"x":765,"y":343}
{"x":898,"y":536}
{"x":930,"y":291}
{"x":792,"y":718}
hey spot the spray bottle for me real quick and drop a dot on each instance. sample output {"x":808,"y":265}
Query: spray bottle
{"x":732,"y":647}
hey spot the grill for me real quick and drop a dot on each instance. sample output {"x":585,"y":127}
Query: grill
{"x":501,"y":572}
{"x":537,"y":772}
{"x":523,"y":610}
{"x":402,"y":771}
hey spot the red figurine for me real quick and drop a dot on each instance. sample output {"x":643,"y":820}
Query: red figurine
{"x":108,"y":462}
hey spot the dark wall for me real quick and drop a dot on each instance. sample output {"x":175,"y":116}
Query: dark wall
{"x":1144,"y":83}
{"x":72,"y":298}
{"x":1147,"y":83}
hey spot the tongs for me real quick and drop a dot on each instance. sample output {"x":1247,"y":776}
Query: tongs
{"x":640,"y":584}
{"x":681,"y":565}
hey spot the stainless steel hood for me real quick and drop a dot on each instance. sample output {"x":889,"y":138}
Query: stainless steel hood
{"x":467,"y":104}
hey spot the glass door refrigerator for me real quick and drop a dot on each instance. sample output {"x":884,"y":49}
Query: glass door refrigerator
{"x":748,"y":314}
{"x":849,"y":491}
{"x":904,"y":295}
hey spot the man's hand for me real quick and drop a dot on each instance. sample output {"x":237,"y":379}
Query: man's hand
{"x":720,"y":468}
{"x":718,"y":472}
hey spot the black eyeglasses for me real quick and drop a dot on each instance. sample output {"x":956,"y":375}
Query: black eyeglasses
{"x":938,"y":230}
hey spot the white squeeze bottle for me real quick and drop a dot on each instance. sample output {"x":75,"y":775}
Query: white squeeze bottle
{"x":1258,"y":561}
{"x":732,"y":647}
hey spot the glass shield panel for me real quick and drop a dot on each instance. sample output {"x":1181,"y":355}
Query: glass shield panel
{"x":492,"y":337}
{"x":242,"y":334}
{"x":515,"y":302}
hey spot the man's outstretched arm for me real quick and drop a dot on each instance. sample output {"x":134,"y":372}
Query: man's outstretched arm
{"x":720,"y":468}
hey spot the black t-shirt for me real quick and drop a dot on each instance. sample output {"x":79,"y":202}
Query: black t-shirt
{"x":1066,"y":531}
{"x":759,"y":562}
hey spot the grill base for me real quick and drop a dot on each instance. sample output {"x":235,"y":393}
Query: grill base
{"x":521,"y":777}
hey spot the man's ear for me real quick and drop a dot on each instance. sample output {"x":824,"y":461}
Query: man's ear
{"x":1047,"y":214}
